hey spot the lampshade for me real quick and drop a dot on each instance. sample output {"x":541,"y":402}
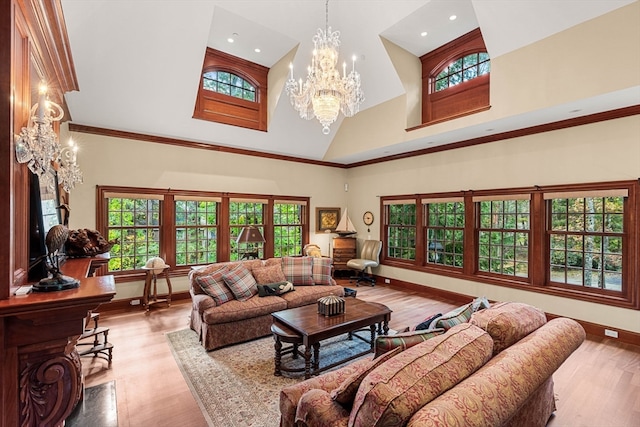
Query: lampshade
{"x":250,"y":234}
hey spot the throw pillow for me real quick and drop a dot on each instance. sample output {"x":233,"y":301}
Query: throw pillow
{"x":213,"y":285}
{"x":275,"y":289}
{"x":386,"y":343}
{"x":321,"y":271}
{"x":298,"y":270}
{"x":241,"y":282}
{"x":346,"y":392}
{"x":480,"y":303}
{"x":427,"y":322}
{"x":455,"y":317}
{"x":269,"y":274}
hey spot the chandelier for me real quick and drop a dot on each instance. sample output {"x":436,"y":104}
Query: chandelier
{"x":325,"y":93}
{"x":38,"y":147}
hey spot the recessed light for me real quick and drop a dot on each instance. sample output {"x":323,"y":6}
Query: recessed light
{"x":257,"y":50}
{"x":230,"y":40}
{"x":423,"y":34}
{"x":453,"y":18}
{"x":489,"y":129}
{"x":577,"y":110}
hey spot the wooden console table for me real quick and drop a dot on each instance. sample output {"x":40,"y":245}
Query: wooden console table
{"x":41,"y":374}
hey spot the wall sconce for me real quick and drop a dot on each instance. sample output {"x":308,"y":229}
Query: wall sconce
{"x":38,"y":147}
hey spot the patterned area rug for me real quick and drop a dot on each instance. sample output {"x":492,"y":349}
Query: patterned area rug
{"x":235,"y":385}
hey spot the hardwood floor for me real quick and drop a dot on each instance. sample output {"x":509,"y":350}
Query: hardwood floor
{"x":598,"y":386}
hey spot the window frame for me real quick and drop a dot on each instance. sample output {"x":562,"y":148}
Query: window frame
{"x":168,"y":225}
{"x":539,"y":256}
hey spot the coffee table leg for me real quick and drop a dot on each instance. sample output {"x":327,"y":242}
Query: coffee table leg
{"x":307,"y":362}
{"x":316,"y":356}
{"x":373,"y":335}
{"x":278,"y":356}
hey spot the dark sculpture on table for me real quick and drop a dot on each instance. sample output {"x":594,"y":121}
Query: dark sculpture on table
{"x":85,"y":242}
{"x":55,"y":241}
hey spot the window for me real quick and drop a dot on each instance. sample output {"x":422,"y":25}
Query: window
{"x":287,"y":229}
{"x":587,"y":240}
{"x":188,"y":228}
{"x":401,"y":230}
{"x":455,"y":79}
{"x":445,"y":231}
{"x":462,"y":70}
{"x":229,"y":84}
{"x":503,"y":237}
{"x":241,"y":214}
{"x":135,"y":222}
{"x":232,"y":91}
{"x":577,"y":241}
{"x":196,"y":231}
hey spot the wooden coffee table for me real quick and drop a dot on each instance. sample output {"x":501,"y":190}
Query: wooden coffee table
{"x":313,"y":328}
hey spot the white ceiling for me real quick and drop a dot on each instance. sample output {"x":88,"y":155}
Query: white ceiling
{"x":138,"y":62}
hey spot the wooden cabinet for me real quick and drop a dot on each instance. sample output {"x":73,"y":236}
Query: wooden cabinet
{"x":344,"y":249}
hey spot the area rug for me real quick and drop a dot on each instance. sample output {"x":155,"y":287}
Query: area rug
{"x":235,"y":385}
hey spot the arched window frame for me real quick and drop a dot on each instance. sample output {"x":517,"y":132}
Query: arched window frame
{"x":227,"y":109}
{"x":456,"y":101}
{"x":241,"y":76}
{"x":446,"y":64}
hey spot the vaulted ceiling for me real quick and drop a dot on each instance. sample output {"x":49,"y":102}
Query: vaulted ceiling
{"x":138,"y":62}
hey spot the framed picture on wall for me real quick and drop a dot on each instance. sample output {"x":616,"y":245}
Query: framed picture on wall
{"x":327,"y":219}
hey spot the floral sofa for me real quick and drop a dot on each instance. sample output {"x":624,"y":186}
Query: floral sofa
{"x":232,"y":302}
{"x":494,"y":370}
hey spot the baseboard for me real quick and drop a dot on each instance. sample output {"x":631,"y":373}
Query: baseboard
{"x":135,"y":304}
{"x":593,"y":329}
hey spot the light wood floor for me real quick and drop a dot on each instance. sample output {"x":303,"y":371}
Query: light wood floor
{"x":598,"y":386}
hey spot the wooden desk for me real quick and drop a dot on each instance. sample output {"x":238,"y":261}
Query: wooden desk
{"x":41,"y":374}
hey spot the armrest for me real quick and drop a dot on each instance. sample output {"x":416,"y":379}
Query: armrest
{"x":316,"y":408}
{"x":201,"y":302}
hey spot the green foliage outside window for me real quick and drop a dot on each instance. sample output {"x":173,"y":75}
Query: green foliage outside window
{"x":586,"y":236}
{"x":401,"y":229}
{"x":504,"y":237}
{"x":445,"y":233}
{"x":229,"y":84}
{"x":463,"y":69}
{"x":135,"y":223}
{"x":287,"y":229}
{"x":196,"y":232}
{"x":240,"y":215}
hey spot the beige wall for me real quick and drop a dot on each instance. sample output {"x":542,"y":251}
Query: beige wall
{"x":123,"y":162}
{"x":607,"y":151}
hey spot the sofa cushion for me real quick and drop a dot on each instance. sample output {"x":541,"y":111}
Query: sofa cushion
{"x":427,"y":322}
{"x":241,"y":282}
{"x":269,"y":274}
{"x":213,"y":285}
{"x":395,"y":390}
{"x":347,"y":390}
{"x":321,"y":271}
{"x":454,"y":317}
{"x":235,"y":310}
{"x":298,"y":270}
{"x":508,"y":322}
{"x":403,"y":340}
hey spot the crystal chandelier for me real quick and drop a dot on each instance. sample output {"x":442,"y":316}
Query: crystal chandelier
{"x":324,"y":94}
{"x":38,"y":147}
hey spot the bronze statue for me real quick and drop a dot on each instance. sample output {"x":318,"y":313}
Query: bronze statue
{"x":86,"y":242}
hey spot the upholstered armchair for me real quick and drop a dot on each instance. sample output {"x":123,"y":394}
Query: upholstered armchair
{"x":369,"y":258}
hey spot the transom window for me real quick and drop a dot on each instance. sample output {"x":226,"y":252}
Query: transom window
{"x":463,"y":69}
{"x":586,"y":238}
{"x":445,"y":232}
{"x":504,"y":237}
{"x":229,"y":84}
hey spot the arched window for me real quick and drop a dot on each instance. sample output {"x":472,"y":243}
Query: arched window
{"x":229,"y":84}
{"x":232,"y":91}
{"x":463,"y":69}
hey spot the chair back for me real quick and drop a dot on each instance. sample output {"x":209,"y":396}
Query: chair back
{"x":371,"y":250}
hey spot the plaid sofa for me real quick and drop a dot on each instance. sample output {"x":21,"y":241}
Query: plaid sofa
{"x":238,"y":320}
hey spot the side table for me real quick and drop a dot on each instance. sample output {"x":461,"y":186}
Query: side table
{"x":148,"y":297}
